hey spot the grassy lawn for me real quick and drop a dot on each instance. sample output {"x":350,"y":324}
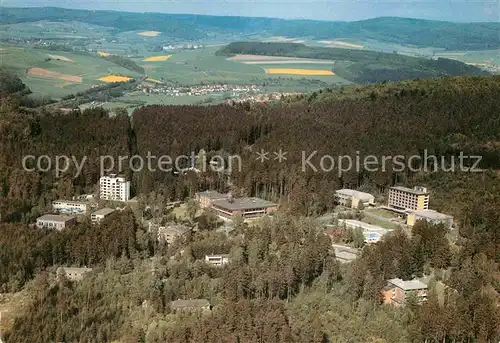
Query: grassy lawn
{"x":382,"y":213}
{"x":382,"y":223}
{"x":181,"y":212}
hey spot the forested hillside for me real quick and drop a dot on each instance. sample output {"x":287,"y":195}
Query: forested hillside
{"x":284,"y":283}
{"x":360,"y":66}
{"x":452,"y":36}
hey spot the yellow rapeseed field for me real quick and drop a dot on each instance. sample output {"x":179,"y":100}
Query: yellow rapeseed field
{"x":157,"y":58}
{"x":103,"y":53}
{"x":313,"y":72}
{"x":149,"y":33}
{"x":115,"y":78}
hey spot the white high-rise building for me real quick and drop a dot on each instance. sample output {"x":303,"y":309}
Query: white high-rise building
{"x":113,"y":187}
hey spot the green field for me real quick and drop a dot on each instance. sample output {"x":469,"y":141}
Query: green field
{"x":189,"y":67}
{"x":203,"y":66}
{"x":199,"y":66}
{"x":481,"y":56}
{"x":333,"y":79}
{"x":90,"y":68}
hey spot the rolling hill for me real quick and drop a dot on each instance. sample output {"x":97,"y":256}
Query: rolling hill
{"x":447,"y":35}
{"x":359,"y":66}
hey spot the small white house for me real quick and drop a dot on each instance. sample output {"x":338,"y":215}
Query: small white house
{"x":217,"y":260}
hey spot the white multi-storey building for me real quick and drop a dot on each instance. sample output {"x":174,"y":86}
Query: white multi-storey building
{"x":113,"y":187}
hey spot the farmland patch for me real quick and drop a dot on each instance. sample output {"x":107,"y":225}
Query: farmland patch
{"x":341,"y":44}
{"x":149,"y":33}
{"x":161,"y":58}
{"x":60,"y":58}
{"x":40,"y":72}
{"x":115,"y":78}
{"x":305,"y":72}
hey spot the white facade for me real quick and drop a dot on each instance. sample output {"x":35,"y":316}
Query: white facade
{"x":55,"y":222}
{"x":99,"y":215}
{"x":113,"y":187}
{"x":352,"y":198}
{"x":69,"y":207}
{"x":217,"y":260}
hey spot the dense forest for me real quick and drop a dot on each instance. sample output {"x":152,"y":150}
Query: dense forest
{"x":447,"y":35}
{"x":283,"y":283}
{"x":360,"y":66}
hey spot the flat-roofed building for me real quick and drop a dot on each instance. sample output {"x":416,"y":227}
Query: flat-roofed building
{"x":172,"y":232}
{"x":403,"y":198}
{"x":191,"y":305}
{"x":352,"y":198}
{"x":397,"y":291}
{"x":56,"y":222}
{"x":207,"y":197}
{"x":85,"y":197}
{"x":74,"y":274}
{"x":69,"y":207}
{"x":217,"y":260}
{"x":431,"y":216}
{"x":248,"y":208}
{"x":99,"y":215}
{"x":114,"y":187}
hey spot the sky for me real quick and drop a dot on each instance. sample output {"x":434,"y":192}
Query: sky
{"x":348,"y":10}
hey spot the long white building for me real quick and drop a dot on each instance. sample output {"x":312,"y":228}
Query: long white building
{"x":69,"y":207}
{"x":113,"y":187}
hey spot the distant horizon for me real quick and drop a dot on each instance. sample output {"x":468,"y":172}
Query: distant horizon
{"x":243,"y":16}
{"x":448,"y":11}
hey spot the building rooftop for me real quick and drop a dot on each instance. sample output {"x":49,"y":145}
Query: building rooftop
{"x":114,"y":176}
{"x":431,"y":214}
{"x":243,"y":203}
{"x":55,"y":218}
{"x":104,"y":211}
{"x":414,"y":190}
{"x":76,"y":270}
{"x":216,"y":255}
{"x":408,"y":285}
{"x":212,"y":194}
{"x":71,"y":202}
{"x":355,"y":193}
{"x":193,"y":303}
